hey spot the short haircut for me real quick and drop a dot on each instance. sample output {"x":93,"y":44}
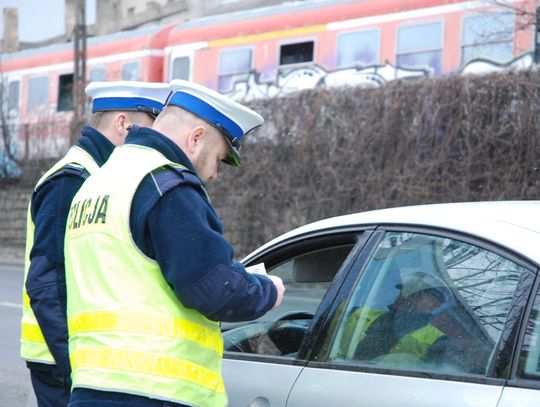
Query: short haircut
{"x":101,"y":119}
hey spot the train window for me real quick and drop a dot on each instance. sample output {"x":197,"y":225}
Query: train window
{"x":13,"y":98}
{"x":234,"y":65}
{"x":131,"y":71}
{"x":98,"y":74}
{"x":420,"y":46}
{"x":360,"y":48}
{"x":489,"y":35}
{"x":296,"y":53}
{"x":38,"y":93}
{"x":65,"y":92}
{"x":181,"y":68}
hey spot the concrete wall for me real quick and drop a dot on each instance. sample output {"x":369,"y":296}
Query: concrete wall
{"x":13,"y":207}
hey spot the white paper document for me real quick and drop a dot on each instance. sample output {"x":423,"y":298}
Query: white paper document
{"x":257,"y":269}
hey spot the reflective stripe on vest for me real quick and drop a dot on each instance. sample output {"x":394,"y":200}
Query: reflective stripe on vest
{"x":128,"y":331}
{"x":33,"y":346}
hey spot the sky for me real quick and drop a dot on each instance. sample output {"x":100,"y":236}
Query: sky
{"x":42,"y":19}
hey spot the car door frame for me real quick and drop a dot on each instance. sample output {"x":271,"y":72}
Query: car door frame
{"x":288,"y":248}
{"x":509,"y":335}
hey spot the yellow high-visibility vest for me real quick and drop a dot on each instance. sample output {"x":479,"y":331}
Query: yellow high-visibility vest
{"x":412,"y":347}
{"x":128,"y":330}
{"x":33,"y":345}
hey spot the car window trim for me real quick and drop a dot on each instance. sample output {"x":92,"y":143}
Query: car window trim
{"x":341,"y":294}
{"x":422,"y":374}
{"x":330,"y":299}
{"x":304,"y":237}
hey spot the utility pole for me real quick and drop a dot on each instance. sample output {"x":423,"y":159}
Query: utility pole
{"x":537,"y":36}
{"x":79,"y":68}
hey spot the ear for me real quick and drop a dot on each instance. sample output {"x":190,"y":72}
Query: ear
{"x":120,"y":123}
{"x":195,"y":138}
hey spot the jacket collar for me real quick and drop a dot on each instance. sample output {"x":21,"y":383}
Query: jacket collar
{"x":95,"y":144}
{"x":147,"y":137}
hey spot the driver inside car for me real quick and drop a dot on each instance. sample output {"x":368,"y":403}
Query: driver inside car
{"x":405,"y":334}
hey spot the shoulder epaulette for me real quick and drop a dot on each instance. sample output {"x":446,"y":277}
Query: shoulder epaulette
{"x":69,"y":170}
{"x":168,"y":177}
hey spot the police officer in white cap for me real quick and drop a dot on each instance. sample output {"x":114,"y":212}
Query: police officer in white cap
{"x":116,"y":106}
{"x":148,"y":267}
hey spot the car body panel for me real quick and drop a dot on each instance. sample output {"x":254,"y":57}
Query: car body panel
{"x":515,"y":397}
{"x":314,"y":387}
{"x":261,"y":384}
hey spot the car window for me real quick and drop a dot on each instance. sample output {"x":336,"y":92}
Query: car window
{"x":306,"y":276}
{"x":529,"y":360}
{"x":422,"y":303}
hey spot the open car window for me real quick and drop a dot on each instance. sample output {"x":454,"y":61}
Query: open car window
{"x":422,"y":303}
{"x":307,"y":269}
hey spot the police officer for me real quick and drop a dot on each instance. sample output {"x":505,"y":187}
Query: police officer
{"x":116,"y":107}
{"x":149,"y":273}
{"x":405,"y":334}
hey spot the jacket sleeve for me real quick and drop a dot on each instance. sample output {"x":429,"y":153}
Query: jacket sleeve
{"x":45,"y":283}
{"x":186,"y":237}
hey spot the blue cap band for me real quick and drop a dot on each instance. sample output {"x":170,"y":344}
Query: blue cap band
{"x":207,"y":112}
{"x":100,"y":104}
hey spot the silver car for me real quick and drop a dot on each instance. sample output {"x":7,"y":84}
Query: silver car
{"x":433,"y":305}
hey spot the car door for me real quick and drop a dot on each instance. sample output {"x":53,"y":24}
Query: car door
{"x":263,"y":358}
{"x":523,"y":389}
{"x":429,"y":320}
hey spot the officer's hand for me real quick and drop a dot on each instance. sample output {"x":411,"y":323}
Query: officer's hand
{"x":280,"y":289}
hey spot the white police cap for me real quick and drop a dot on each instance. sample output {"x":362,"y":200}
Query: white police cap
{"x":232,"y":119}
{"x":148,"y":97}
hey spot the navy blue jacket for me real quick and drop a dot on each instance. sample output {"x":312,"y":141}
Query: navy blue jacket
{"x":173,"y":222}
{"x":46,"y":281}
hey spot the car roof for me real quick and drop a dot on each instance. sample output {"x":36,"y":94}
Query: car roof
{"x":514,"y":225}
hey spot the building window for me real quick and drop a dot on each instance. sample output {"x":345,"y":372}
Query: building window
{"x":38,"y":93}
{"x":131,"y":71}
{"x":181,"y":68}
{"x":298,"y":53}
{"x":13,"y":98}
{"x":131,"y":11}
{"x":360,"y":48}
{"x":489,"y":36}
{"x":98,"y":74}
{"x":65,"y":92}
{"x":234,"y":65}
{"x":420,"y":46}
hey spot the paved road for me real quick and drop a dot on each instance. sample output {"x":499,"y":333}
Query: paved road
{"x":14,"y":379}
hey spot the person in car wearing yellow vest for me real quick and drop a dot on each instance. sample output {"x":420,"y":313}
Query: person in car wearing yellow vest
{"x":149,"y":272}
{"x":116,"y":106}
{"x":405,"y":334}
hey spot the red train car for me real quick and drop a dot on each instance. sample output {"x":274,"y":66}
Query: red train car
{"x":271,"y":51}
{"x":275,"y":50}
{"x":37,"y":84}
